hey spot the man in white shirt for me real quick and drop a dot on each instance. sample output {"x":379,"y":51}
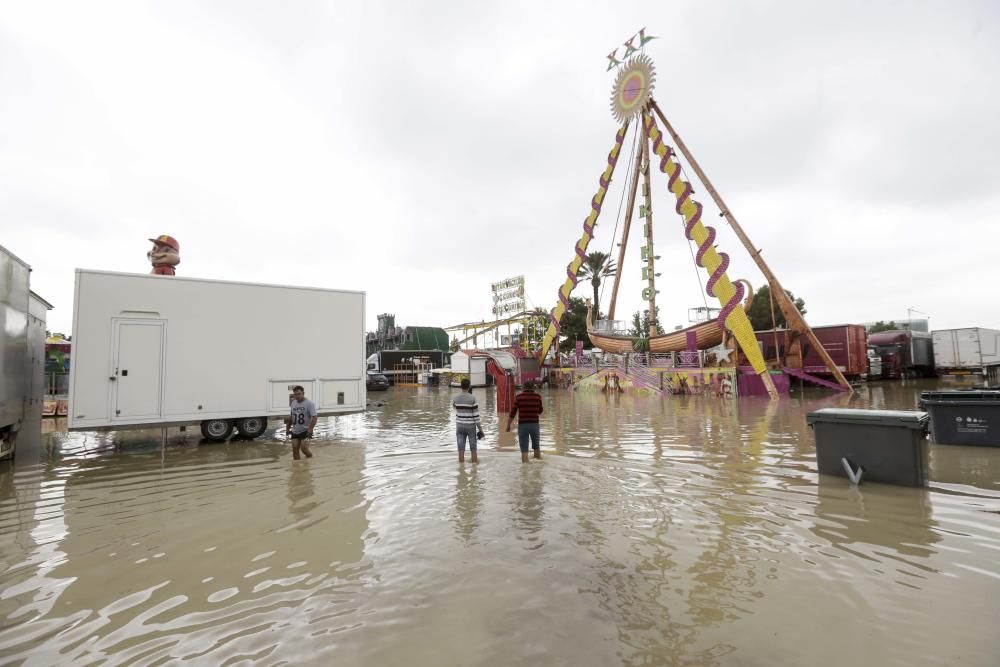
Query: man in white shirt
{"x":301,"y":422}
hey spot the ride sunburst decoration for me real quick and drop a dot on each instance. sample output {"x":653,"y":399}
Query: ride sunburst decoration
{"x":633,"y":87}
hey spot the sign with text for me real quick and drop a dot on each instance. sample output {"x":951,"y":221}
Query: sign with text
{"x":508,"y":296}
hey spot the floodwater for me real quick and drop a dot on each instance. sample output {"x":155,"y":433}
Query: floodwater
{"x":673,"y":531}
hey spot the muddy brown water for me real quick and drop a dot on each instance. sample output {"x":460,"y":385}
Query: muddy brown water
{"x":673,"y":531}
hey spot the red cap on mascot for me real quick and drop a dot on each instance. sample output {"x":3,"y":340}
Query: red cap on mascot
{"x":163,"y":239}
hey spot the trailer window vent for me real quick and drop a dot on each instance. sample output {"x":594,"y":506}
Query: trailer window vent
{"x":340,"y":398}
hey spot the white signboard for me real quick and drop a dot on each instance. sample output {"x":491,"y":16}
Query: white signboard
{"x":508,"y":296}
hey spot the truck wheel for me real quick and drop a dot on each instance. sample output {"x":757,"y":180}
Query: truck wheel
{"x":216,"y":430}
{"x":251,"y":427}
{"x":8,"y":441}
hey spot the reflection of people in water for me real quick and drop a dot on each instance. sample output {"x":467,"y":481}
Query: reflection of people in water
{"x":529,"y":502}
{"x":468,"y":503}
{"x":301,"y":494}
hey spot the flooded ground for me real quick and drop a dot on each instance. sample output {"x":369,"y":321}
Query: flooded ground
{"x":675,"y":531}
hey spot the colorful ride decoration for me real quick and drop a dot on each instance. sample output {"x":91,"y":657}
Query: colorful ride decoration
{"x":611,"y":382}
{"x":718,"y":382}
{"x":552,"y":332}
{"x":633,"y":88}
{"x":733,"y":318}
{"x":58,"y":351}
{"x":165,"y":255}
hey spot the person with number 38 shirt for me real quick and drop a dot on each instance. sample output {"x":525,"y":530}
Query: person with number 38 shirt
{"x":300,"y":424}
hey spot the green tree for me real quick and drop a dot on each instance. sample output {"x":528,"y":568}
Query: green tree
{"x":455,"y":347}
{"x":760,"y":309}
{"x":533,"y":330}
{"x":574,"y":325}
{"x":596,"y":266}
{"x":641,"y":323}
{"x":883,"y":326}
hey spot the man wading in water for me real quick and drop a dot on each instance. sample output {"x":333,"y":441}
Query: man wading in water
{"x":467,"y":425}
{"x":301,"y":423}
{"x":529,"y":404}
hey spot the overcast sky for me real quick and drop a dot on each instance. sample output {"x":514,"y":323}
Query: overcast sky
{"x":421,"y":151}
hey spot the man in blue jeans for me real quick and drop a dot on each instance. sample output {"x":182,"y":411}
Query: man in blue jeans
{"x":467,"y":426}
{"x":529,"y":405}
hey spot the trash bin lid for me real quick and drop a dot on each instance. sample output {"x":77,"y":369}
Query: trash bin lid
{"x":904,"y":418}
{"x":963,"y":396}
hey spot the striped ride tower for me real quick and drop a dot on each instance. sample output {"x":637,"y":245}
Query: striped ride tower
{"x":552,"y":333}
{"x":732,"y":317}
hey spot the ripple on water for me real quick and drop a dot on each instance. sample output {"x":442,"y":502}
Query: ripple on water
{"x":670,"y":531}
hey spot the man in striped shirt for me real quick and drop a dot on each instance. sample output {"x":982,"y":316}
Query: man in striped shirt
{"x":527,"y":404}
{"x":467,"y":425}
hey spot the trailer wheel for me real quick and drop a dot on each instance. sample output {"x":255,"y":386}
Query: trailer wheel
{"x":216,"y":430}
{"x":251,"y":427}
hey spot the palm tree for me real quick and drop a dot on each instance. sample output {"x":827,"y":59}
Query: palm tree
{"x":595,"y":266}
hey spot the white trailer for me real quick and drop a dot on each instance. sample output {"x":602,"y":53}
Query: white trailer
{"x":463,"y":362}
{"x":970,"y":350}
{"x":169,"y":350}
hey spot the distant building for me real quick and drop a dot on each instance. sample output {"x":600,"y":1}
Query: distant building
{"x":912,"y":325}
{"x":390,"y":337}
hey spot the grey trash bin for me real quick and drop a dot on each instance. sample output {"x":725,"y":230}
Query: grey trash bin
{"x":969,"y":417}
{"x":889,"y":445}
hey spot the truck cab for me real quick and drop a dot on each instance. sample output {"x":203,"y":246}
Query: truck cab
{"x":874,"y":364}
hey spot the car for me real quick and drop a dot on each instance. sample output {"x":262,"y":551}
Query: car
{"x":377,"y":382}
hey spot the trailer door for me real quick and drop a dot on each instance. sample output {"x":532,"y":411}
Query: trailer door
{"x":968,"y":352}
{"x":138,"y":368}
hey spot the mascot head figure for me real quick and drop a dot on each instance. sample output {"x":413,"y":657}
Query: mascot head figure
{"x":165,"y":255}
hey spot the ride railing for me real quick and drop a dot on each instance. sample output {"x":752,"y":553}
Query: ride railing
{"x":611,"y":327}
{"x":652,"y":360}
{"x":56,"y":384}
{"x":641,"y":374}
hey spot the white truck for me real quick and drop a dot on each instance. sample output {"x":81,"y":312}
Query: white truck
{"x":972,"y":350}
{"x":170,"y":351}
{"x":464,"y":364}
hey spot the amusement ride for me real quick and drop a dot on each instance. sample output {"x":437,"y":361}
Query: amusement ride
{"x":729,"y":336}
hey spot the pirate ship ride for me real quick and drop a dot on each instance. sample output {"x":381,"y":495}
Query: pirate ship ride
{"x":632,"y":103}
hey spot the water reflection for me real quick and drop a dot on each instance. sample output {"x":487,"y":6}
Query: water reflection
{"x":469,"y":490}
{"x":528,"y":503}
{"x":957,"y":464}
{"x":301,"y":495}
{"x":875,"y":515}
{"x":681,"y":530}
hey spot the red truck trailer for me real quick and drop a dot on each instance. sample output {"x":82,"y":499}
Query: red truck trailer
{"x":904,"y":353}
{"x":847,"y":345}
